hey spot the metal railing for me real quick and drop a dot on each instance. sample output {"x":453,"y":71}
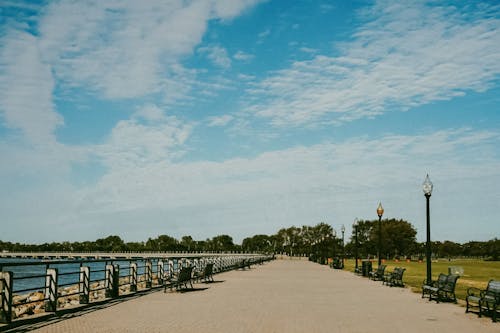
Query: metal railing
{"x":49,"y":286}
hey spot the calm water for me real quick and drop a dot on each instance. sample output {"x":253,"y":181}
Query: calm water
{"x":38,"y":283}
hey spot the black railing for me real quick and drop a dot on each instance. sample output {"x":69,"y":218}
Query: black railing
{"x":42,"y":288}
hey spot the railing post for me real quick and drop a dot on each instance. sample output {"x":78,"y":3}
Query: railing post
{"x":196,"y":263}
{"x":6,"y":279}
{"x":161,"y":272}
{"x":112,"y":280}
{"x":148,"y":273}
{"x":84,"y":286}
{"x":133,"y":277}
{"x":116,"y":281}
{"x":170,"y":267}
{"x":51,"y":290}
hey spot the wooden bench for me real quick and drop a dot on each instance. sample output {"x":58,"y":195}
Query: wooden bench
{"x":182,"y":279}
{"x":486,"y":301}
{"x":394,"y":278}
{"x":443,"y":289}
{"x":378,"y":275}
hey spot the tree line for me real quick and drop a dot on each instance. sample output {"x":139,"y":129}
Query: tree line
{"x":114,"y":243}
{"x":319,"y":241}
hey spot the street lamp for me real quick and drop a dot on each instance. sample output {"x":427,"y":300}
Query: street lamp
{"x":334,"y":235}
{"x":355,"y":225}
{"x":427,"y":187}
{"x":380,"y":212}
{"x":343,"y":249}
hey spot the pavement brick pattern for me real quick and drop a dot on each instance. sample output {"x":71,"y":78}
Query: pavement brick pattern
{"x":280,"y":296}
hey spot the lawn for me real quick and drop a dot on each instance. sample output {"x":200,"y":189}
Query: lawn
{"x":477,"y":273}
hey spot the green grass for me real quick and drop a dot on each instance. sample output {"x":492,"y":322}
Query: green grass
{"x":477,"y":273}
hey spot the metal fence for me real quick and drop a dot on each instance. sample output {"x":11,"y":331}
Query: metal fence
{"x":33,"y":287}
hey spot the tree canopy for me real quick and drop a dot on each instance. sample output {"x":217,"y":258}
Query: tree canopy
{"x":320,"y":240}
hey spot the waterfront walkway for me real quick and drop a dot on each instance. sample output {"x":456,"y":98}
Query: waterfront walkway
{"x":279,"y":296}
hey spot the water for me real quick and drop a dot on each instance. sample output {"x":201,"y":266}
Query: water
{"x":27,"y":285}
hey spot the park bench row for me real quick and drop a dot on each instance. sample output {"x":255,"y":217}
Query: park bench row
{"x":392,"y":279}
{"x":186,"y":275}
{"x":442,"y":289}
{"x":485,"y":301}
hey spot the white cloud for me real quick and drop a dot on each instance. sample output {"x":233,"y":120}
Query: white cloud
{"x":26,"y":86}
{"x":146,"y":193}
{"x":217,"y":55}
{"x":126,"y":49}
{"x":308,"y":50}
{"x":263,"y":35}
{"x":149,"y":137}
{"x":246,"y":77}
{"x":228,"y":9}
{"x":404,"y":56}
{"x":219,"y":121}
{"x":150,"y":112}
{"x":242,"y":56}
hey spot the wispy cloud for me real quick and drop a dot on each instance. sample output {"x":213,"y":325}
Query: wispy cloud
{"x":217,"y":55}
{"x":242,"y":56}
{"x":115,"y":50}
{"x":219,"y":121}
{"x":308,"y":50}
{"x":301,"y":185}
{"x":403,"y":56}
{"x":263,"y":35}
{"x":26,"y":88}
{"x":148,"y":137}
{"x":127,"y":50}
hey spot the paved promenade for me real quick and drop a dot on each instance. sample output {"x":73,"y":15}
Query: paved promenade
{"x":281,"y":296}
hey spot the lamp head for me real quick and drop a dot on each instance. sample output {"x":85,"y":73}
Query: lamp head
{"x":380,"y":210}
{"x":427,"y":186}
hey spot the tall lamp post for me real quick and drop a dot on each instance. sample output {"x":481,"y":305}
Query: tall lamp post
{"x":334,"y":234}
{"x":343,"y":248}
{"x":380,"y":212}
{"x":427,"y":187}
{"x":355,"y":225}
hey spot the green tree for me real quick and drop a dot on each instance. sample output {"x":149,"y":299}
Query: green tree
{"x":188,"y":243}
{"x":257,"y":243}
{"x":222,"y":243}
{"x":110,"y":243}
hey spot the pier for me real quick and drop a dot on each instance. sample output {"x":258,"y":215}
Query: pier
{"x":110,"y":255}
{"x":30,"y":289}
{"x":277,"y":296}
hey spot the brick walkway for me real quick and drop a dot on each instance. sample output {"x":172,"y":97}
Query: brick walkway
{"x":281,"y":296}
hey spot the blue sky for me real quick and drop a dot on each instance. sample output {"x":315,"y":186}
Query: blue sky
{"x":242,"y":117}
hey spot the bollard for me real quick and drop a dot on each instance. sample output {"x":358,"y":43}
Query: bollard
{"x":84,"y":286}
{"x":51,"y":290}
{"x":148,"y":273}
{"x":6,"y":279}
{"x":133,"y":277}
